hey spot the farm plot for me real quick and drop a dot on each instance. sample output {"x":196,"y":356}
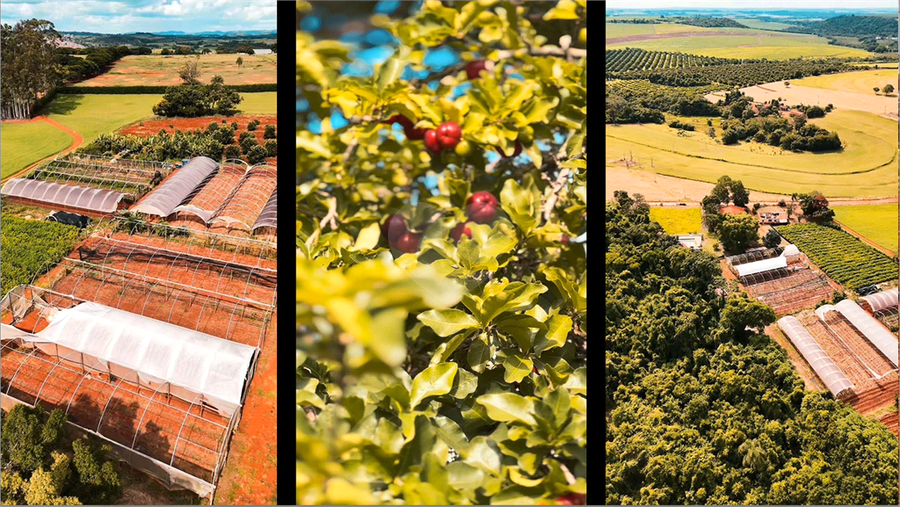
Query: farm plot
{"x":163,"y":70}
{"x":28,"y":142}
{"x":31,"y":247}
{"x":133,"y":177}
{"x":92,"y":115}
{"x":841,"y":256}
{"x":876,"y":222}
{"x":677,"y":220}
{"x":789,"y":291}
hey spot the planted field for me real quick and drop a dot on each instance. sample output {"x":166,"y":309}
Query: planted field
{"x":151,"y":127}
{"x":866,"y":167}
{"x":841,"y":256}
{"x":28,"y":142}
{"x":862,"y":81}
{"x":877,"y":223}
{"x":92,"y":115}
{"x":842,"y":100}
{"x":30,"y":247}
{"x":677,"y":220}
{"x":622,"y":60}
{"x":163,"y":70}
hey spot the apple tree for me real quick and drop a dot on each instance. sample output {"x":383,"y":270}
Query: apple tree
{"x":441,"y":270}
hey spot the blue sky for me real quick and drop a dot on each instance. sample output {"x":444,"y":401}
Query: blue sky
{"x":145,"y":15}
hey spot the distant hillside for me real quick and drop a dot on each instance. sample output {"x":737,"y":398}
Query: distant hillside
{"x":702,"y":21}
{"x":851,"y":26}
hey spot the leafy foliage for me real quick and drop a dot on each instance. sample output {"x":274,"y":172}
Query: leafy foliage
{"x":215,"y":142}
{"x":453,"y":371}
{"x":703,"y":411}
{"x":193,"y":99}
{"x":32,"y":247}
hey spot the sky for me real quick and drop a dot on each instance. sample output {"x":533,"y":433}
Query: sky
{"x":750,"y":4}
{"x":103,"y":16}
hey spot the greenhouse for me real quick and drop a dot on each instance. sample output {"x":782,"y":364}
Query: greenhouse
{"x":831,"y":375}
{"x":62,"y":195}
{"x":269,"y":215}
{"x":874,"y":331}
{"x":166,"y":197}
{"x":882,"y":300}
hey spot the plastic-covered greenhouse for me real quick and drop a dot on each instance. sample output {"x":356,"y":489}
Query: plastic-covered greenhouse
{"x":167,"y":397}
{"x":96,"y":200}
{"x":166,"y":197}
{"x":831,"y":375}
{"x":269,"y":215}
{"x":882,"y":300}
{"x":874,"y":331}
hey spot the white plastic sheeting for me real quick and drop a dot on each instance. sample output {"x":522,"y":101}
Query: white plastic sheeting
{"x":61,"y":194}
{"x":790,"y":250}
{"x":269,"y":215}
{"x":882,"y":300}
{"x":869,"y":326}
{"x":156,"y":351}
{"x":752,"y":268}
{"x":831,"y":375}
{"x":163,"y":201}
{"x":823,"y":310}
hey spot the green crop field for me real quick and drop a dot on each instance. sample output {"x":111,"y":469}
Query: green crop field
{"x":163,"y":70}
{"x":26,"y":143}
{"x":258,"y":103}
{"x":677,"y":220}
{"x":866,"y":167}
{"x":30,"y":247}
{"x":92,"y":115}
{"x":841,"y":256}
{"x":876,"y":222}
{"x":860,"y":81}
{"x":733,"y":43}
{"x":763,"y":25}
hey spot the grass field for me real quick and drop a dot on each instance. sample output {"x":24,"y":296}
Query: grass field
{"x":763,"y":25}
{"x":258,"y":103}
{"x":877,"y":223}
{"x":677,"y":220}
{"x":866,"y":167}
{"x":92,"y":115}
{"x":26,"y":143}
{"x":738,"y":43}
{"x":163,"y":70}
{"x":860,"y":82}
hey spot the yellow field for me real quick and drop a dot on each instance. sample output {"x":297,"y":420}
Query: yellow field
{"x":877,"y":222}
{"x":860,"y":82}
{"x":677,"y":220}
{"x":866,"y":167}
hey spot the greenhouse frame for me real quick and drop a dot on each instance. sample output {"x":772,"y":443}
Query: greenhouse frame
{"x":880,"y":301}
{"x":871,"y":328}
{"x":835,"y":379}
{"x":48,"y":193}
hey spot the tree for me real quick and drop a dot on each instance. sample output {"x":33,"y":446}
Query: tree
{"x":736,"y":232}
{"x":721,"y":190}
{"x":877,"y":89}
{"x":888,"y":89}
{"x":772,"y":239}
{"x":614,"y":106}
{"x":739,"y":195}
{"x":271,"y":147}
{"x":30,"y":65}
{"x":257,"y":154}
{"x":815,"y":208}
{"x":232,"y":152}
{"x":190,"y":73}
{"x":240,"y":61}
{"x":97,"y":477}
{"x":193,"y":100}
{"x":269,"y":132}
{"x":402,"y":335}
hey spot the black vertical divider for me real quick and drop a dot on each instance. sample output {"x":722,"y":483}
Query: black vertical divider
{"x":287,"y":248}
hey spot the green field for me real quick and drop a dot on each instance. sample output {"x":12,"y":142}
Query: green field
{"x":860,"y":81}
{"x":741,"y":43}
{"x":30,"y":247}
{"x":677,"y":220}
{"x":866,"y":167}
{"x":92,"y":115}
{"x":841,"y":256}
{"x":763,"y":25}
{"x":877,"y":223}
{"x":26,"y":143}
{"x":258,"y":103}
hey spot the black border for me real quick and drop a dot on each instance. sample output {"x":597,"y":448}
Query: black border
{"x":287,"y":256}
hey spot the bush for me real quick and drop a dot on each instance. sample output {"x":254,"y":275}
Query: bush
{"x":772,"y":239}
{"x":193,"y":100}
{"x":256,"y":154}
{"x":232,"y":151}
{"x":253,"y":125}
{"x":270,"y":132}
{"x":271,"y":148}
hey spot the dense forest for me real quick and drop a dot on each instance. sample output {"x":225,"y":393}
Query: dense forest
{"x":703,"y":21}
{"x":703,"y":411}
{"x":850,"y":26}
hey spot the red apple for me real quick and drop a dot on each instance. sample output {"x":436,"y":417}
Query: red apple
{"x":572,"y":499}
{"x":473,"y":69}
{"x":414,"y":134}
{"x":402,"y":120}
{"x":408,"y":242}
{"x":516,"y":152}
{"x":461,"y":228}
{"x":481,"y":207}
{"x":393,"y":227}
{"x":431,"y":141}
{"x":449,"y":134}
{"x":564,"y":239}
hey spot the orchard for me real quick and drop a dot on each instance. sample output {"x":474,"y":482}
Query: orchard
{"x":441,"y":270}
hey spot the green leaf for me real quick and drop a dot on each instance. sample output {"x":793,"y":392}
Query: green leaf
{"x":514,"y":495}
{"x":508,"y":407}
{"x":447,"y":322}
{"x":577,"y":382}
{"x":520,"y":328}
{"x":448,"y":431}
{"x":574,"y":145}
{"x":484,"y":453}
{"x":519,"y":203}
{"x":464,"y":477}
{"x":313,"y":144}
{"x":565,"y":9}
{"x":465,"y":384}
{"x":515,"y":297}
{"x":559,"y":404}
{"x":433,"y":381}
{"x":368,"y":237}
{"x":479,"y":353}
{"x":390,"y":72}
{"x":306,"y":399}
{"x":446,"y":349}
{"x":558,"y":328}
{"x":516,"y":366}
{"x":465,"y":21}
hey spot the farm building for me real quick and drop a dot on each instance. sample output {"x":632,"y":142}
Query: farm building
{"x":881,"y":301}
{"x":95,"y":202}
{"x":692,"y":241}
{"x":762,"y":261}
{"x":821,"y":363}
{"x":773,"y":218}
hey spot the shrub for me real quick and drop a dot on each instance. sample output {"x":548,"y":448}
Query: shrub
{"x":256,"y":154}
{"x":232,"y":151}
{"x":271,"y":148}
{"x":253,"y":125}
{"x":270,"y":132}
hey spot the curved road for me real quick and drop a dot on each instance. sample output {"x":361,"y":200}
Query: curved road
{"x":77,"y":141}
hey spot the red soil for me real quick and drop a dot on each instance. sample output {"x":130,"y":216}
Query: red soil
{"x":148,"y":128}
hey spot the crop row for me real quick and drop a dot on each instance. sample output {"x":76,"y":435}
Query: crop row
{"x":841,"y":256}
{"x":622,"y":60}
{"x":734,"y":74}
{"x":30,"y":247}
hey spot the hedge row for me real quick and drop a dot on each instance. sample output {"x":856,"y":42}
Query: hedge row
{"x":155,"y":90}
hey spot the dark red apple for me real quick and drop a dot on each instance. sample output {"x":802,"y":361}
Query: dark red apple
{"x":564,"y":239}
{"x":461,"y":228}
{"x":393,"y":227}
{"x":414,"y":134}
{"x":572,"y":499}
{"x":431,"y":141}
{"x":408,"y":242}
{"x":481,"y":207}
{"x":473,"y":69}
{"x":402,"y":120}
{"x":449,"y":134}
